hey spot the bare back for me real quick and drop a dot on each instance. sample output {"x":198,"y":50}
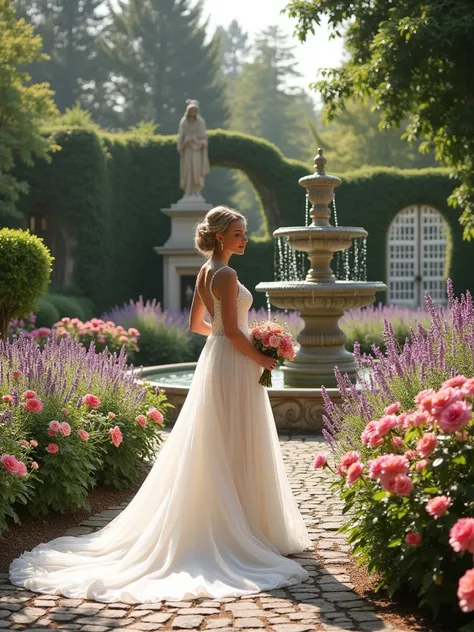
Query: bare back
{"x":205,"y":286}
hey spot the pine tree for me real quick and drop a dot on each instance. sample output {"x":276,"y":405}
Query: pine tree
{"x":234,"y":48}
{"x":158,"y":58}
{"x":265,"y":100}
{"x":69,"y":32}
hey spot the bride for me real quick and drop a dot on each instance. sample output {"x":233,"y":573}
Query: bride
{"x":215,"y":517}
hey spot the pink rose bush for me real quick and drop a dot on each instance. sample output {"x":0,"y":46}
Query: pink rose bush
{"x":101,"y":334}
{"x":273,"y":340}
{"x":70,"y":420}
{"x":409,"y":489}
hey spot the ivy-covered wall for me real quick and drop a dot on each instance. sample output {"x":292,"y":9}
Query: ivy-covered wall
{"x":105,"y":192}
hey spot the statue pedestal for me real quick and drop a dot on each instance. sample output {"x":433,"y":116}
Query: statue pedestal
{"x":181,"y":261}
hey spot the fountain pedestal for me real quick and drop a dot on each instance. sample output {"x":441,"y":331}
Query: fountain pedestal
{"x":320,"y":298}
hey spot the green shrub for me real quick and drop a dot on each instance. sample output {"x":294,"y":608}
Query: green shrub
{"x":46,"y":401}
{"x":67,"y":306}
{"x":162,"y":344}
{"x":25,"y":272}
{"x":46,"y":313}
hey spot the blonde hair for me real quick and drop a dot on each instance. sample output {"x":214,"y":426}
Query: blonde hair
{"x":217,"y":220}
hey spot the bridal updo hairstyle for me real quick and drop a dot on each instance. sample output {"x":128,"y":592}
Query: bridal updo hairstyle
{"x":216,"y":221}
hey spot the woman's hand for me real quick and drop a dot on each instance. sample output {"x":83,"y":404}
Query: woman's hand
{"x":267,"y":362}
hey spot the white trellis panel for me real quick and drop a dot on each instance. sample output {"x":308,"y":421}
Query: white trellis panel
{"x":416,"y":256}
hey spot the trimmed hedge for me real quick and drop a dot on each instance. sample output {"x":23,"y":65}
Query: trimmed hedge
{"x":105,"y":192}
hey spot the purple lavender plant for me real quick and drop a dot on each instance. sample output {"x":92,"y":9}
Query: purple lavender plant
{"x":431,"y":355}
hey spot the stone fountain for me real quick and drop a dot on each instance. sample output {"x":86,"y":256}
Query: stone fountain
{"x":320,"y":298}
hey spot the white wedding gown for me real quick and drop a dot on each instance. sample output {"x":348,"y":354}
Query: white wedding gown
{"x":215,"y":516}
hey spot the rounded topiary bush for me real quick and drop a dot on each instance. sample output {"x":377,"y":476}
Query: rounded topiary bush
{"x":67,"y":306}
{"x":25,"y":273}
{"x":46,"y":313}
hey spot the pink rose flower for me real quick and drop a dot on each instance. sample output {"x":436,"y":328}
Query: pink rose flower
{"x":55,"y":426}
{"x":467,"y":389}
{"x":65,"y":411}
{"x":392,"y":409}
{"x":141,"y":420}
{"x":461,"y":535}
{"x":455,"y":416}
{"x":24,"y":443}
{"x":83,"y":434}
{"x":370,"y":435}
{"x":385,"y":424}
{"x":348,"y":459}
{"x":413,"y":539}
{"x":444,"y":398}
{"x":403,"y":485}
{"x":426,"y":444}
{"x":320,"y":461}
{"x":266,"y":340}
{"x":10,"y":463}
{"x":453,"y":382}
{"x":398,"y":443}
{"x":33,"y":443}
{"x":29,"y":395}
{"x":274,"y":341}
{"x":91,"y":400}
{"x":438,"y":506}
{"x":466,"y":591}
{"x":52,"y":448}
{"x":34,"y":465}
{"x":423,"y":399}
{"x":22,"y":470}
{"x":17,"y":373}
{"x":418,"y":418}
{"x":34,"y":405}
{"x":388,"y":483}
{"x":51,"y":433}
{"x":422,"y":463}
{"x":7,"y":399}
{"x":389,"y":465}
{"x":116,"y":436}
{"x":111,"y":416}
{"x":65,"y":429}
{"x":257,"y":333}
{"x":155,"y":415}
{"x":354,"y":472}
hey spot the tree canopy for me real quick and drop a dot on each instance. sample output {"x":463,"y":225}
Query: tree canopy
{"x":23,"y":106}
{"x":413,"y":59}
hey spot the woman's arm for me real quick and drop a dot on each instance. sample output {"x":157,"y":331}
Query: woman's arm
{"x":197,"y":324}
{"x":226,"y":283}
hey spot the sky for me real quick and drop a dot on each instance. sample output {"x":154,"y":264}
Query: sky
{"x":254,"y":15}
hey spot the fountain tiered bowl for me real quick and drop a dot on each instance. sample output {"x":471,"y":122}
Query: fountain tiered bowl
{"x":320,"y":298}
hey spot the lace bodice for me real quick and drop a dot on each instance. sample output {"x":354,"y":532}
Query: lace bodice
{"x":244,"y":303}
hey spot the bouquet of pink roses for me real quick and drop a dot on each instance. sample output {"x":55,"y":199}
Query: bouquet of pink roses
{"x":273,"y":340}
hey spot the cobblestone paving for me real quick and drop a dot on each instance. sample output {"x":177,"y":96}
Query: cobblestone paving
{"x":325,"y":602}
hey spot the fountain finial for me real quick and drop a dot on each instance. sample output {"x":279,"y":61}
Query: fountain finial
{"x":320,"y":162}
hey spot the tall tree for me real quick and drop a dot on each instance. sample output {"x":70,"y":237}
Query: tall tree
{"x":158,"y":57}
{"x":234,"y":48}
{"x":69,"y":32}
{"x":265,"y":100}
{"x":355,"y":139}
{"x":23,"y":106}
{"x":414,"y":60}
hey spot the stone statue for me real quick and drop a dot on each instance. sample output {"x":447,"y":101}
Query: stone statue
{"x":192,"y":148}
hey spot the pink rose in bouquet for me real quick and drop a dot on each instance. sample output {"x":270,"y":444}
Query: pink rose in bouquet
{"x":275,"y":341}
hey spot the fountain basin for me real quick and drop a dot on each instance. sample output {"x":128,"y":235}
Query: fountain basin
{"x":308,"y":296}
{"x":294,"y":409}
{"x":321,"y":340}
{"x":331,"y":238}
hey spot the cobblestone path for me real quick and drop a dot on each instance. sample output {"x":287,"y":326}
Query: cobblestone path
{"x":325,"y":602}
